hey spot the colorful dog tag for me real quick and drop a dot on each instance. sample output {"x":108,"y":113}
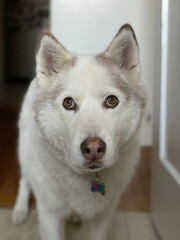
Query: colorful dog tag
{"x":97,"y":185}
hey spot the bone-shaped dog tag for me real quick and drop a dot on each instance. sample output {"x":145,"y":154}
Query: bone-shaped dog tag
{"x":97,"y":185}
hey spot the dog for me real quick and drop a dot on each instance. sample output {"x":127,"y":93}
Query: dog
{"x":78,"y":134}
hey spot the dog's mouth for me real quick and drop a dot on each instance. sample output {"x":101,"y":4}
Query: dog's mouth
{"x":93,"y":165}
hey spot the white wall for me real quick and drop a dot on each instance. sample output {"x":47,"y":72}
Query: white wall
{"x":88,"y":26}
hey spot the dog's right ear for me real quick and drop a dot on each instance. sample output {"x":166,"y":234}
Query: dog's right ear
{"x":50,"y":58}
{"x":124,"y":50}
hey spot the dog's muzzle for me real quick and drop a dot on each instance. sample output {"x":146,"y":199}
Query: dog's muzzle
{"x":93,"y":149}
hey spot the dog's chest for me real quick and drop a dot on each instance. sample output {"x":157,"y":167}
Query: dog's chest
{"x":75,"y":194}
{"x":85,"y":202}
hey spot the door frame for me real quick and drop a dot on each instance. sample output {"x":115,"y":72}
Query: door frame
{"x":165,"y":178}
{"x":163,"y":94}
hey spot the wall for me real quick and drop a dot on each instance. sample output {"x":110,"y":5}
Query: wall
{"x":87,"y":27}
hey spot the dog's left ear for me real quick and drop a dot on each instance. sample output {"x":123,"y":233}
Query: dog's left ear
{"x":124,"y":49}
{"x":50,"y":59}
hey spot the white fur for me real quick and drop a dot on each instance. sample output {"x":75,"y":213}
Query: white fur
{"x":50,"y":138}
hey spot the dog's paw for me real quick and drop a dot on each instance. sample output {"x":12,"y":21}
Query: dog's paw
{"x":19,"y":216}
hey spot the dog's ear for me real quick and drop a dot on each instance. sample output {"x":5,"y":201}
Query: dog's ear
{"x":49,"y":59}
{"x":124,"y":48}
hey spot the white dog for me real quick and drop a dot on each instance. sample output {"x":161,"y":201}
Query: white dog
{"x":78,"y":142}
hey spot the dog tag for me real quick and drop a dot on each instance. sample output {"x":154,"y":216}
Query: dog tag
{"x":97,"y":185}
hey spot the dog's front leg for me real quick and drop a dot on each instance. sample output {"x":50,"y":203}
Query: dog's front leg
{"x":51,"y":225}
{"x":100,"y":225}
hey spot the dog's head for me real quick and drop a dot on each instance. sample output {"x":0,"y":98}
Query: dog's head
{"x":88,"y":107}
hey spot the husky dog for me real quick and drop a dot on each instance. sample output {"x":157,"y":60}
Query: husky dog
{"x":79,"y":124}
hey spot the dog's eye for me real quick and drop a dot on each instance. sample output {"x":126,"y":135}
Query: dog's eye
{"x":111,"y":102}
{"x":69,"y":104}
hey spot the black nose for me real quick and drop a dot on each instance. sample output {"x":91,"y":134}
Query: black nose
{"x":93,"y":149}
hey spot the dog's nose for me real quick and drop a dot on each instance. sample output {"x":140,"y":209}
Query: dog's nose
{"x":93,"y":149}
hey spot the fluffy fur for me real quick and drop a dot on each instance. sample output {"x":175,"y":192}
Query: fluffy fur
{"x":52,"y":164}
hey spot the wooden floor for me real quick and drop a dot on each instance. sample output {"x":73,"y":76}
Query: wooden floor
{"x":9,"y":170}
{"x":135,"y":198}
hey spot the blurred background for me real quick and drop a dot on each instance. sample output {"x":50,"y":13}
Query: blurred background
{"x":152,"y":199}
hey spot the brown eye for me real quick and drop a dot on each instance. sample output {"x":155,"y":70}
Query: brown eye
{"x":69,"y":104}
{"x":111,"y":102}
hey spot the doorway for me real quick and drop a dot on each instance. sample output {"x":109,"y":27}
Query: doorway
{"x":24,"y":20}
